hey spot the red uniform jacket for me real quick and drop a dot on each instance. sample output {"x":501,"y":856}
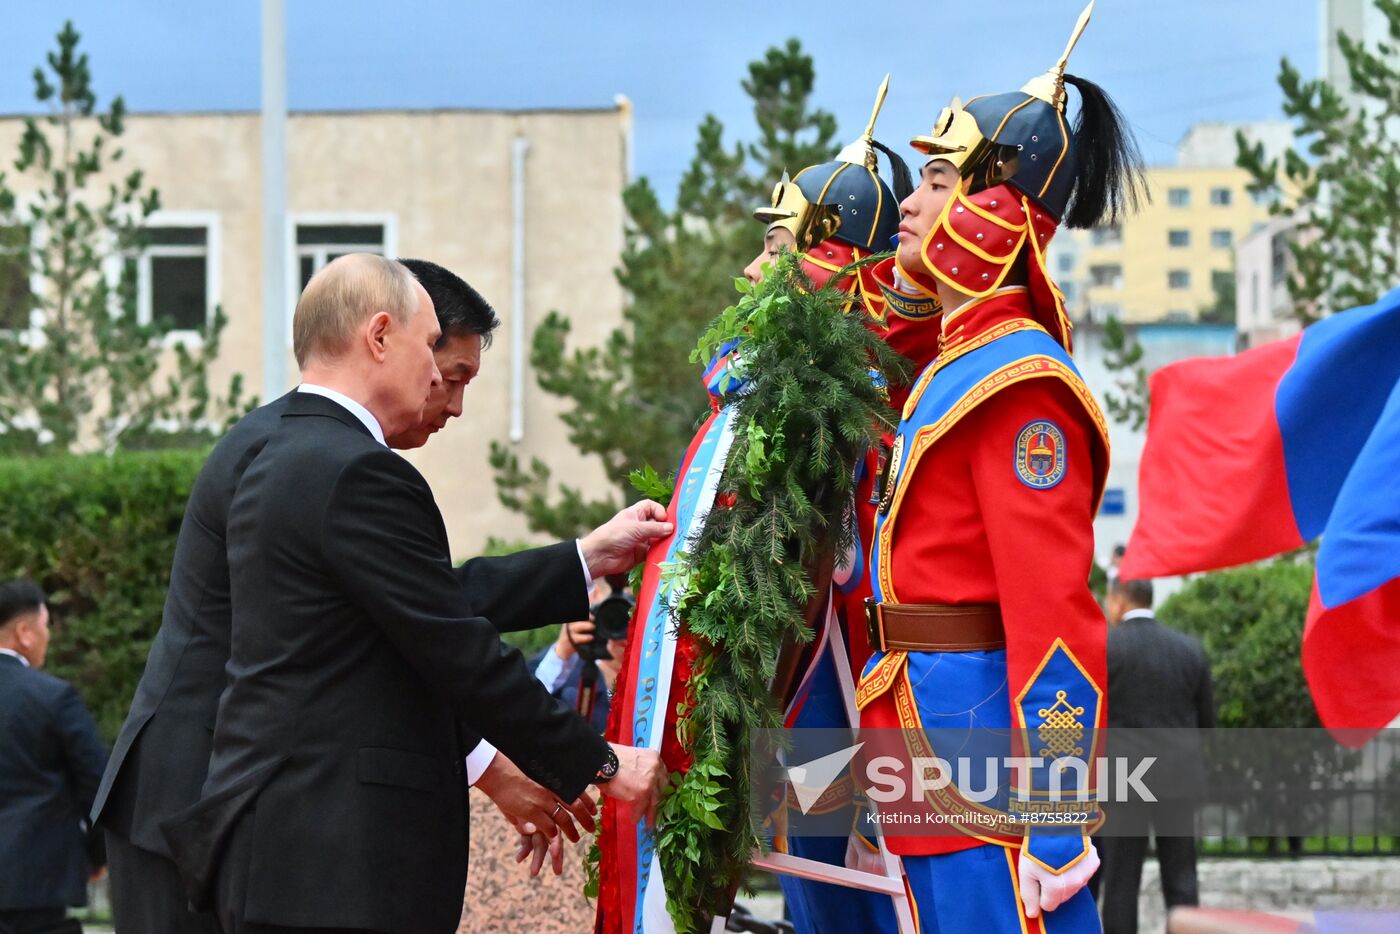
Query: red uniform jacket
{"x":971,"y":529}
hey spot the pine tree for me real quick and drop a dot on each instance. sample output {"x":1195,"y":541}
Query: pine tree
{"x":1123,"y":355}
{"x":1343,"y":177}
{"x":637,"y":399}
{"x":88,"y":376}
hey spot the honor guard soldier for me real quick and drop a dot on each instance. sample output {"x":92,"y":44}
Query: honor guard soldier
{"x":833,"y":215}
{"x":986,"y":638}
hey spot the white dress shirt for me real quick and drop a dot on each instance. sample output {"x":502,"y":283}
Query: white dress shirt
{"x":22,"y":660}
{"x":1138,"y":613}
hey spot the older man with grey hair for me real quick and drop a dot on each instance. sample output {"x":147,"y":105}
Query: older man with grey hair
{"x":334,"y":798}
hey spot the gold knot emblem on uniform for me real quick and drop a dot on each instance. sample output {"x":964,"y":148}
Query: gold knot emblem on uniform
{"x":1061,"y":729}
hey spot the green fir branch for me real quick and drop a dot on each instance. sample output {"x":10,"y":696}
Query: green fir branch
{"x":802,"y":422}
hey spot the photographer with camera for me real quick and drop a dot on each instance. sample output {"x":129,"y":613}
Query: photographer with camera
{"x":586,"y":649}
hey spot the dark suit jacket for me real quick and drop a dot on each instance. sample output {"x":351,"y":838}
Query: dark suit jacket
{"x":161,"y":757}
{"x":1159,"y":680}
{"x":50,"y":763}
{"x":353,"y":653}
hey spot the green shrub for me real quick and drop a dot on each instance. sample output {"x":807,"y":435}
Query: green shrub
{"x":1251,"y":622}
{"x":98,"y":534}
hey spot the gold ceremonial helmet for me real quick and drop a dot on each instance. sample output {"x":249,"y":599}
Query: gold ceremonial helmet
{"x":965,"y":135}
{"x":808,"y":223}
{"x":814,"y":221}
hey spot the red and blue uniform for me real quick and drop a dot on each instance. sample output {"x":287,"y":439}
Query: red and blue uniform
{"x":998,"y":467}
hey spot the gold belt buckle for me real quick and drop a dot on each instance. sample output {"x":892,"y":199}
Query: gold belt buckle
{"x":873,"y":630}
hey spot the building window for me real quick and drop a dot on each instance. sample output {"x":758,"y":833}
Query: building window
{"x":1222,"y":197}
{"x":1106,"y":276}
{"x":1266,"y":198}
{"x":15,"y":297}
{"x":318,"y":244}
{"x":1278,"y":258}
{"x":1108,"y":235}
{"x":1222,"y":239}
{"x":1178,"y":279}
{"x":1067,"y":289}
{"x":1178,"y":238}
{"x":172,"y":277}
{"x":1102,"y":311}
{"x":1179,"y":197}
{"x":1066,"y":262}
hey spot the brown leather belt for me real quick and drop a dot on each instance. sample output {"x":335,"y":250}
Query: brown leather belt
{"x":929,"y":627}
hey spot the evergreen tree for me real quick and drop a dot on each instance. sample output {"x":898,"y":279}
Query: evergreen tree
{"x":637,"y":399}
{"x":1123,"y":354}
{"x":88,"y":375}
{"x":1343,"y":177}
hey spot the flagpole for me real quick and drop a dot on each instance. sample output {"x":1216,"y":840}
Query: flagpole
{"x":274,"y":190}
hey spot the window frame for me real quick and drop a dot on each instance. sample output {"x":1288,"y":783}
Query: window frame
{"x":1171,"y":192}
{"x":386,"y":219}
{"x":212,"y":223}
{"x":1116,"y":280}
{"x":37,"y":240}
{"x":1186,"y":238}
{"x":1185,"y":273}
{"x":1227,"y":191}
{"x":1229,"y":238}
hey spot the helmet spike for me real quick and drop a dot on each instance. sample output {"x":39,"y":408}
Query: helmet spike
{"x":1050,"y":87}
{"x":862,"y":151}
{"x":869,"y":137}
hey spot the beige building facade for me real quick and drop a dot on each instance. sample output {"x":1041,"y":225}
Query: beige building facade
{"x":1173,"y":259}
{"x":441,"y":185}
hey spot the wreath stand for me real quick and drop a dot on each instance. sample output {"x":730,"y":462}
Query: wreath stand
{"x":891,"y":882}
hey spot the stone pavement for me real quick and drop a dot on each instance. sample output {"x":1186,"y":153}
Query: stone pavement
{"x":501,"y":897}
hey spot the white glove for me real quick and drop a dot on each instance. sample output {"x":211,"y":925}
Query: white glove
{"x":1043,"y":890}
{"x":861,"y":858}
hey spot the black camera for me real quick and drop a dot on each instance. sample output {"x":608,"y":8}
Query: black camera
{"x":612,"y":618}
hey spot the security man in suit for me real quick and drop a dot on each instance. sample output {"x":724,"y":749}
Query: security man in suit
{"x":988,"y":643}
{"x":50,"y":764}
{"x":161,"y":756}
{"x":1158,"y":680}
{"x":333,"y":798}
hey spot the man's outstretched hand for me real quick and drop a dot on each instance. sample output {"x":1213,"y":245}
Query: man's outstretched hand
{"x":640,"y":780}
{"x":525,"y":803}
{"x":620,"y":543}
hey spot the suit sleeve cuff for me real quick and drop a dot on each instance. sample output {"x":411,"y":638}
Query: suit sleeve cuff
{"x":478,"y":760}
{"x":587,"y":578}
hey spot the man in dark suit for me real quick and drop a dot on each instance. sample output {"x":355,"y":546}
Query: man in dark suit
{"x":162,"y":753}
{"x":1158,"y":681}
{"x":334,"y":799}
{"x":50,"y":763}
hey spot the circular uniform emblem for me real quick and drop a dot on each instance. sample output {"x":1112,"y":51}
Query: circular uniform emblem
{"x":1040,"y":454}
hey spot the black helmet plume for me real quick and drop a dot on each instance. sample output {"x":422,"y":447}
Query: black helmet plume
{"x":1108,"y":179}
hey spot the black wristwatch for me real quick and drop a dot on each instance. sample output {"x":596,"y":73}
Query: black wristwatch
{"x":608,"y":771}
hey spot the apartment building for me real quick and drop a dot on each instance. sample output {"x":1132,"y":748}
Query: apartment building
{"x":1174,"y":259}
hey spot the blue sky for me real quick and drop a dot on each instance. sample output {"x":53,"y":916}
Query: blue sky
{"x":1168,"y":63}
